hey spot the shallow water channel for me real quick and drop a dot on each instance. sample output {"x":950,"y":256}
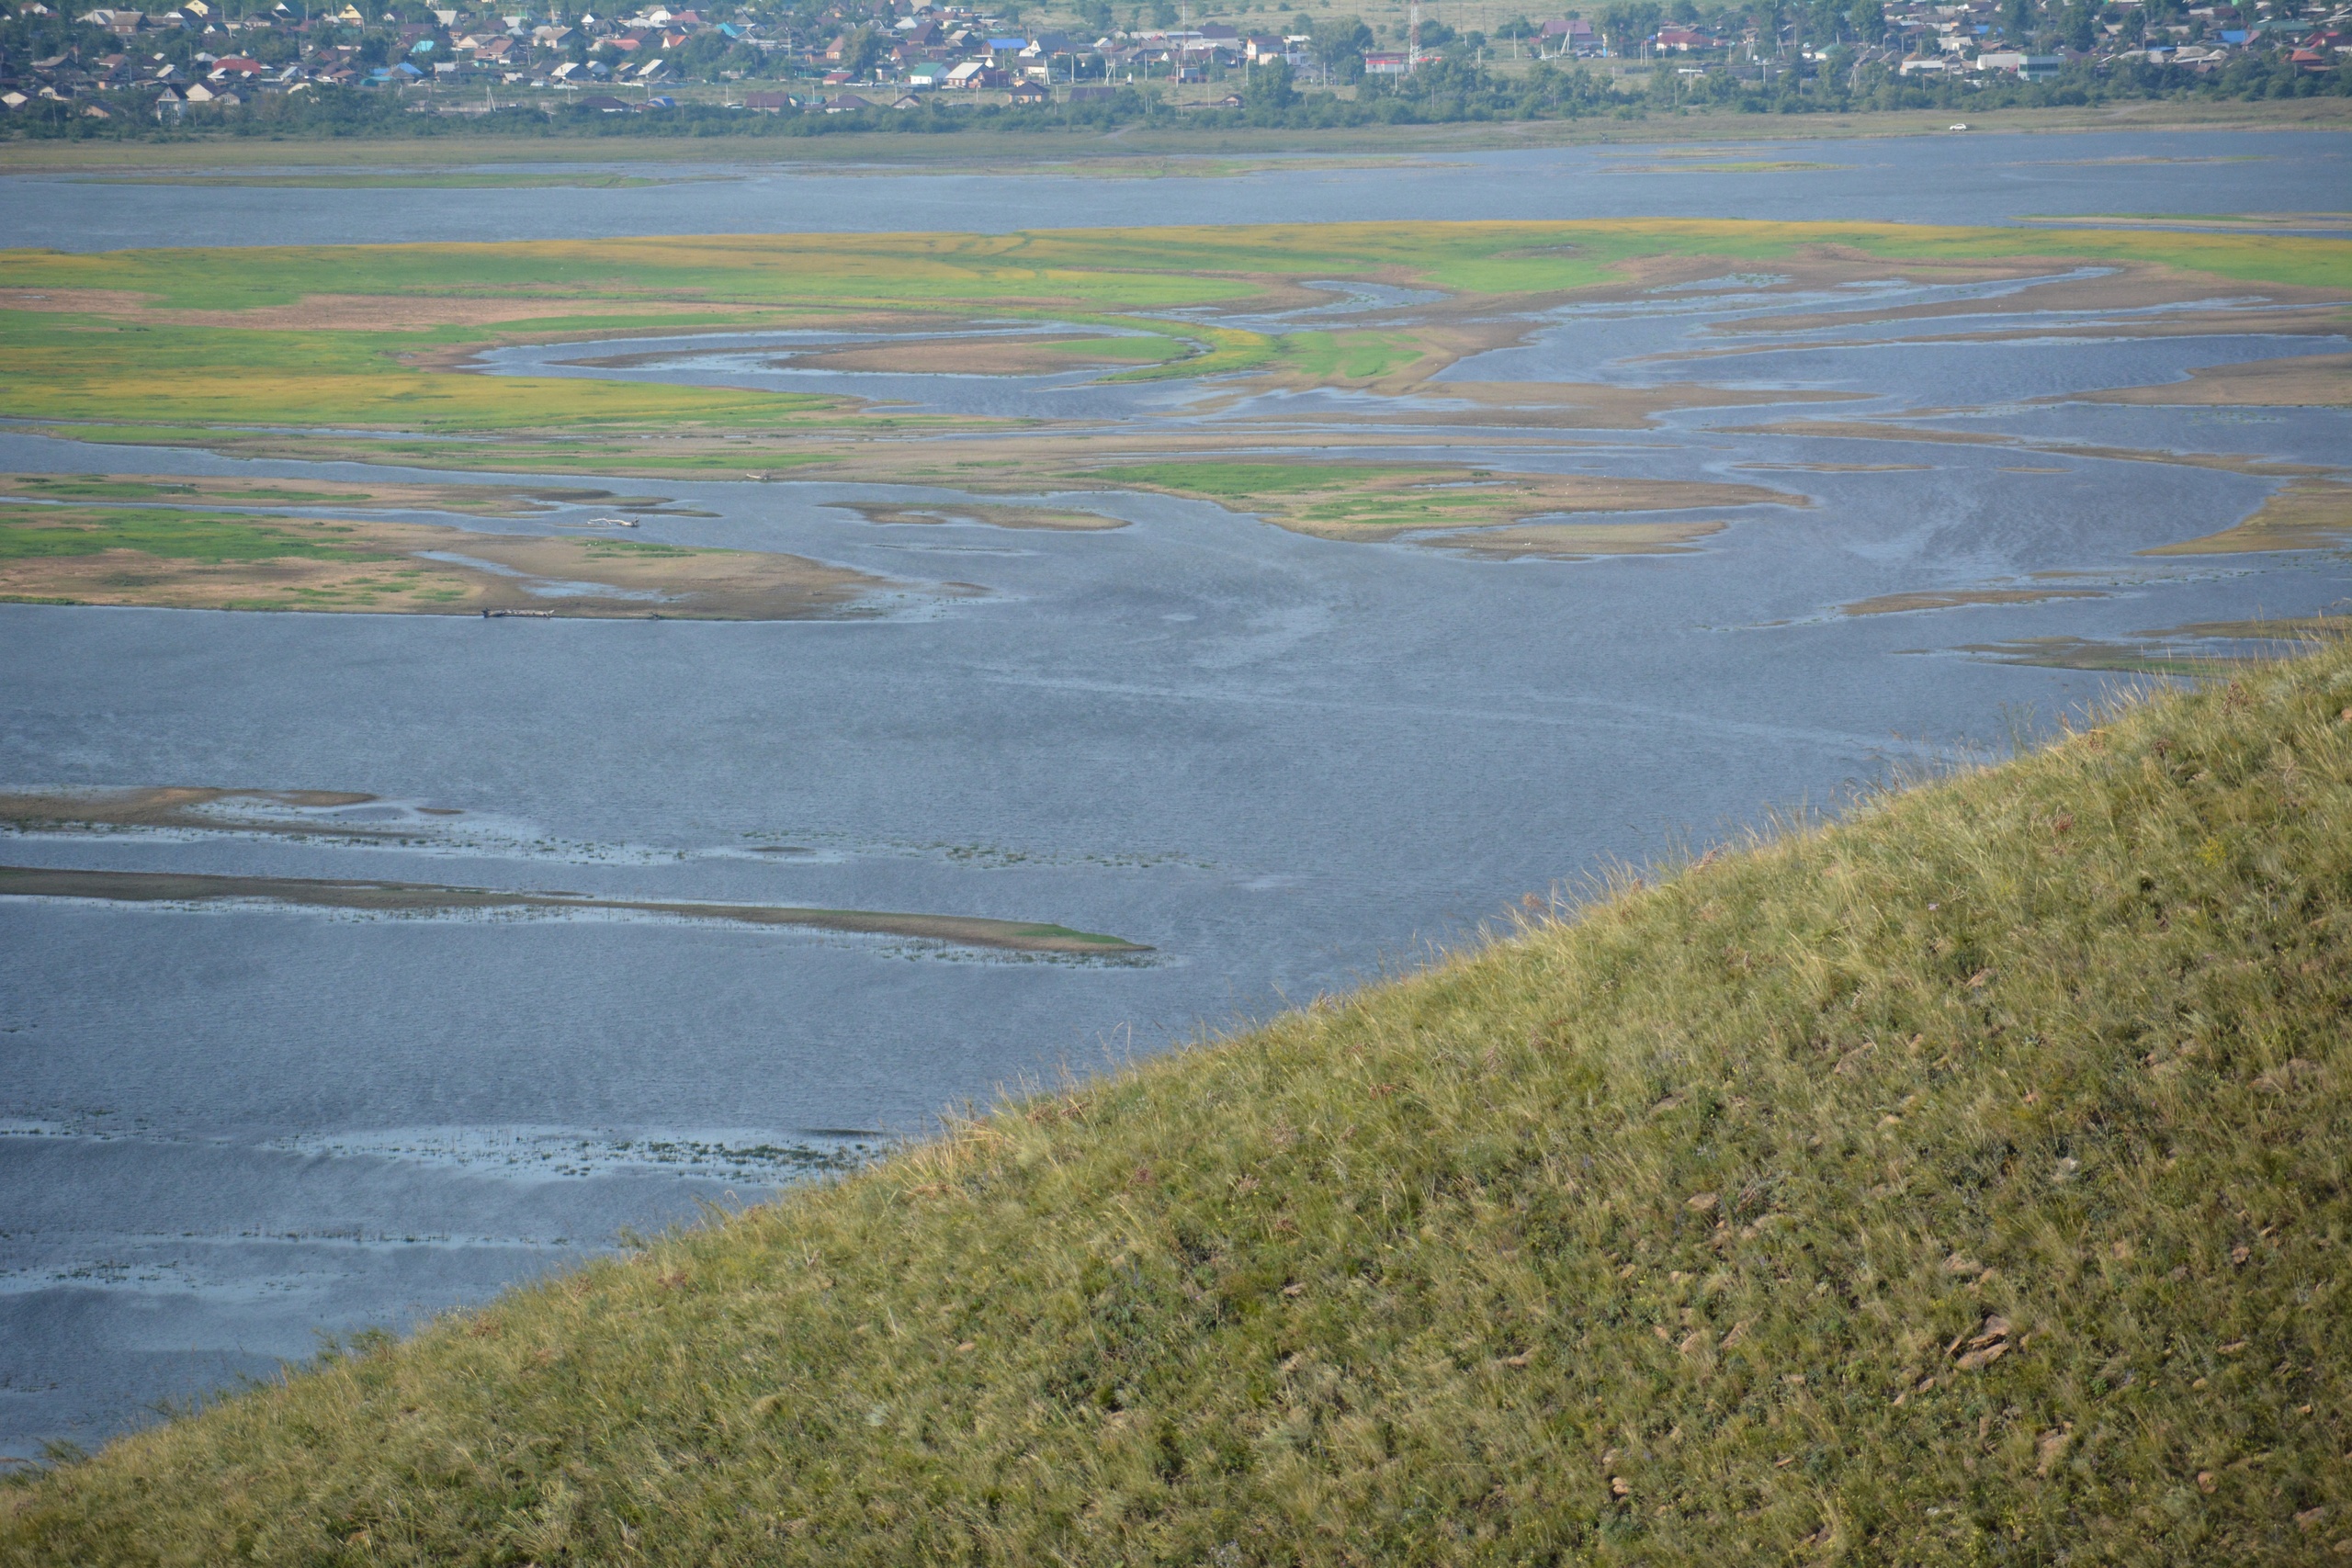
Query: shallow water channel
{"x":1284,"y":764}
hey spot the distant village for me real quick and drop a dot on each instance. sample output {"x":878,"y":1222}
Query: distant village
{"x":206,"y":57}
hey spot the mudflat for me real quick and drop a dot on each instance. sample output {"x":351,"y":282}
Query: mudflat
{"x":415,"y":897}
{"x":207,"y":561}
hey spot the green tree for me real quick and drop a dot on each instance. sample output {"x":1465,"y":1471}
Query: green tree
{"x":1340,"y":43}
{"x":2082,"y":26}
{"x":1270,"y":91}
{"x":1626,"y":23}
{"x":1868,"y":19}
{"x":859,"y":49}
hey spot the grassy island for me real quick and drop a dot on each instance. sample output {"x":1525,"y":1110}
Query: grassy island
{"x":1964,"y":1182}
{"x":240,"y":350}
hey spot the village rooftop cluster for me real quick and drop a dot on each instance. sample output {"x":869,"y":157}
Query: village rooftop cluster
{"x":898,"y":52}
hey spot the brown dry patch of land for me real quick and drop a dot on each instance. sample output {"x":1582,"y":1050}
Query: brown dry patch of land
{"x":991,"y":513}
{"x":945,"y":330}
{"x":1743,"y":167}
{"x":410,"y":569}
{"x":2307,"y":320}
{"x":66,"y":810}
{"x":1813,"y":267}
{"x":1566,"y":405}
{"x":2223,"y":220}
{"x":1833,"y":468}
{"x":2198,"y":649}
{"x":2132,"y":286}
{"x":734,"y":585}
{"x":2309,"y":514}
{"x":2285,"y":628}
{"x":77,"y":301}
{"x":1957,"y":598}
{"x":1860,"y":430}
{"x":1512,"y":405}
{"x":147,"y":887}
{"x":476,"y":501}
{"x":1577,"y":541}
{"x":2317,"y":380}
{"x":1001,"y":356}
{"x":1037,"y":460}
{"x":2102,"y":656}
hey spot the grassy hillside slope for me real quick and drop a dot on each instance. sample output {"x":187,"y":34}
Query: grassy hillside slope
{"x":1964,"y":1183}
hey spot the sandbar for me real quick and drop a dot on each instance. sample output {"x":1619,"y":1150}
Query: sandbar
{"x":1961,"y":598}
{"x":2316,"y":380}
{"x":1576,"y":541}
{"x":992,"y":513}
{"x":177,"y":888}
{"x":2309,"y":514}
{"x":183,"y":806}
{"x":477,"y":501}
{"x":194,"y":561}
{"x":998,"y":355}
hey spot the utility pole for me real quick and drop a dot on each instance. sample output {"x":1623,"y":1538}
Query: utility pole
{"x":1413,"y":39}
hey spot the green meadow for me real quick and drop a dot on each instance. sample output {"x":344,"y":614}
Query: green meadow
{"x":367,"y":336}
{"x":69,"y":371}
{"x":1970,"y":1182}
{"x":32,"y":533}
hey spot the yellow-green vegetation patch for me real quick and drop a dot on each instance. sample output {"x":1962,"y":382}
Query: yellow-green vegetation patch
{"x":47,"y":533}
{"x":1962,"y":1183}
{"x":212,"y":490}
{"x":1347,"y":356}
{"x":219,"y":560}
{"x":375,"y":336}
{"x":1378,"y":500}
{"x":189,"y":376}
{"x":261,"y":342}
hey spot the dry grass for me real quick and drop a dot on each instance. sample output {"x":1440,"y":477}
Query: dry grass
{"x":2311,"y":515}
{"x":1373,"y":502}
{"x":1967,"y":1182}
{"x":222,"y":560}
{"x":1577,"y":541}
{"x":2319,"y":380}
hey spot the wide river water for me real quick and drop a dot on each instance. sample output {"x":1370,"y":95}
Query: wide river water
{"x":1286,"y":764}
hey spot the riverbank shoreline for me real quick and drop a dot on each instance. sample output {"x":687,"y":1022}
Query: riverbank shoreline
{"x":975,"y":149}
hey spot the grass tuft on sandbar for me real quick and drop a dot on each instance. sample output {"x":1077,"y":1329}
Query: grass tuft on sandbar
{"x":1965,"y":1181}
